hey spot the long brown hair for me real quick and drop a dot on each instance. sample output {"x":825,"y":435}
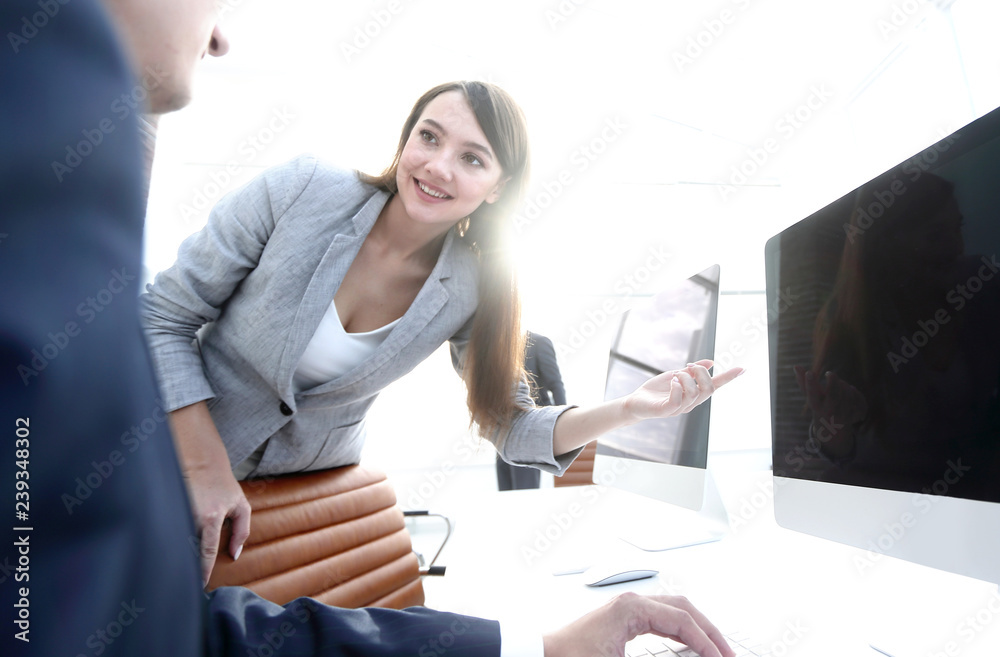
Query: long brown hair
{"x":494,"y":361}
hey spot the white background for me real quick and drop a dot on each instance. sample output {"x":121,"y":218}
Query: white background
{"x":670,"y":99}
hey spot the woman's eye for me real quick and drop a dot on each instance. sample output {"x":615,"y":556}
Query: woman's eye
{"x":427,"y":136}
{"x":472,"y":159}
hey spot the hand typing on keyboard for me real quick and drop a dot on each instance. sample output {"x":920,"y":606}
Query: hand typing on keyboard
{"x":605,"y":631}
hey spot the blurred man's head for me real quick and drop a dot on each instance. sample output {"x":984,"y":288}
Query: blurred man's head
{"x":165,"y":40}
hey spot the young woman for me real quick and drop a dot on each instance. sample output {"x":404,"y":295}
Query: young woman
{"x":313,"y":288}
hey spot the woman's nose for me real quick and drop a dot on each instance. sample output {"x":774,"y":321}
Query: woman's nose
{"x":438,"y":165}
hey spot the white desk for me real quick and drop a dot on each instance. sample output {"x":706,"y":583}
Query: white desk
{"x":800,"y":595}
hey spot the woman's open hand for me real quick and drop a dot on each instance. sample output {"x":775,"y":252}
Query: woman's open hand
{"x":665,"y":395}
{"x":677,"y":391}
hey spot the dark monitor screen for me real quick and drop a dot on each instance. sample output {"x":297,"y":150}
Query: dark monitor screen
{"x":885,"y":350}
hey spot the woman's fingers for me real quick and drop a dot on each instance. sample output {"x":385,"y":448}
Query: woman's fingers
{"x":701,"y":368}
{"x":722,"y":379}
{"x":678,"y":391}
{"x":211,"y":528}
{"x":690,"y":389}
{"x":241,"y":528}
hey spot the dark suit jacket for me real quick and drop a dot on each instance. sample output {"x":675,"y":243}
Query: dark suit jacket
{"x":540,"y":362}
{"x":101,"y":562}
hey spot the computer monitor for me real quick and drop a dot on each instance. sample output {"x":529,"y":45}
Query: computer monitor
{"x":664,"y":459}
{"x":885,"y":361}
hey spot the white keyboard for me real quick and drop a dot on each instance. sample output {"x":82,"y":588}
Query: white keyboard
{"x":649,"y":645}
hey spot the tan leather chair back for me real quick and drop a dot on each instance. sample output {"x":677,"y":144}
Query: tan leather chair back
{"x":333,"y":535}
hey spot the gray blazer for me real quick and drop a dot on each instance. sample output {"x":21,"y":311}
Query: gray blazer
{"x":230,"y":319}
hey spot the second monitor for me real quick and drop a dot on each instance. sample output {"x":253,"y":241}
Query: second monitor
{"x":665,"y":459}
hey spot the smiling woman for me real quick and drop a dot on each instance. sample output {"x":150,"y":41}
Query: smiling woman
{"x":321,"y":286}
{"x":463,"y":161}
{"x":313,"y":288}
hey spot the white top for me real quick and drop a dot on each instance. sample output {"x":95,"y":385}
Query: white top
{"x":333,"y":352}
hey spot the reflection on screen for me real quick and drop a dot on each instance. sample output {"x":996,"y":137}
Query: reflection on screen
{"x":886,"y":361}
{"x":674,"y":328}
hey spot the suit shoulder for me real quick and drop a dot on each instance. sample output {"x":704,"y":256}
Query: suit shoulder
{"x":541,"y":340}
{"x":311,"y":182}
{"x":335,"y":175}
{"x":339,"y":185}
{"x":308,"y":170}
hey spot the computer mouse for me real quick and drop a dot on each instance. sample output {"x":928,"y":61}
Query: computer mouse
{"x":607,"y":575}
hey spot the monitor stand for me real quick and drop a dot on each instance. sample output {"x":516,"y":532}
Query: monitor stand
{"x":626,"y":525}
{"x":670,"y":526}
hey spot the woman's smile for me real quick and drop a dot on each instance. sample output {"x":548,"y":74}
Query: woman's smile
{"x":434,"y":193}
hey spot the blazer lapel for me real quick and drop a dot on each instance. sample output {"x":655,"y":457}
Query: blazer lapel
{"x":324,"y":283}
{"x":428,"y":304}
